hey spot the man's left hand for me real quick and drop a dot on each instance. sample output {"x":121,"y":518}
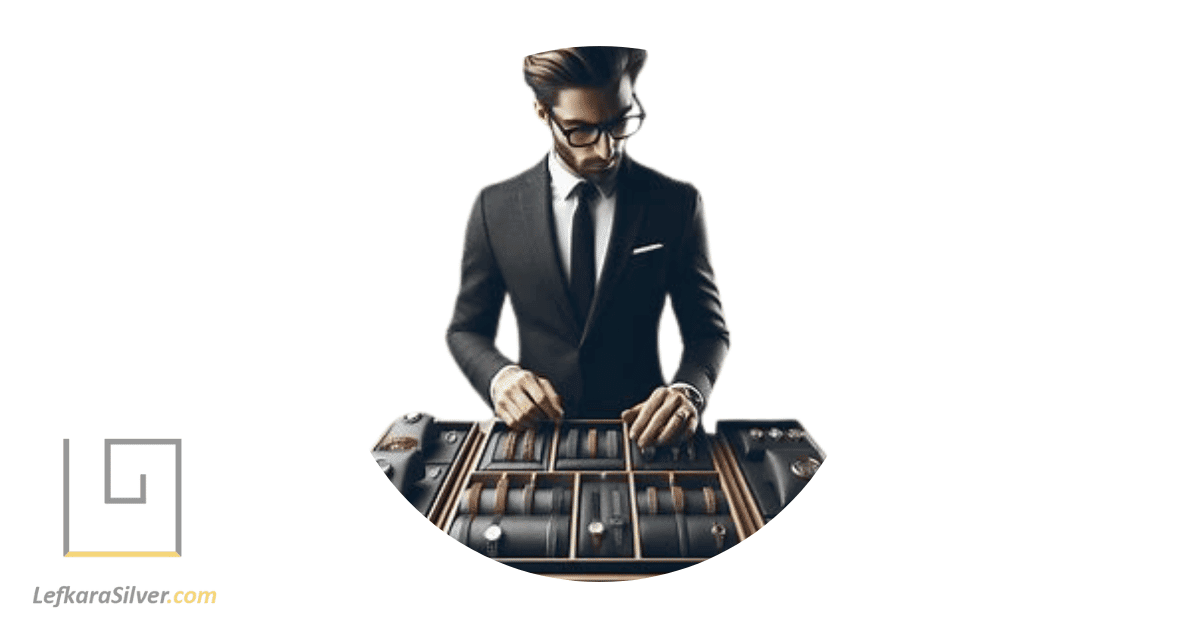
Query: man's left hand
{"x":662,"y":419}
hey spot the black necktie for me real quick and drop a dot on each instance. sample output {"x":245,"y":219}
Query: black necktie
{"x":583,"y":251}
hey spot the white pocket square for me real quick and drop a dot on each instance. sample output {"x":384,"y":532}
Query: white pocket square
{"x":649,"y":247}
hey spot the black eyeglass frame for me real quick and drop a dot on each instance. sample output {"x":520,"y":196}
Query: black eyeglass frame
{"x":600,"y":129}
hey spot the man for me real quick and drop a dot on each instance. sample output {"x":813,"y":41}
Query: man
{"x":587,"y":244}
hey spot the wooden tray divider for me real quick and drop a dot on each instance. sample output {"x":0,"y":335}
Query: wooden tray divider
{"x":574,"y":519}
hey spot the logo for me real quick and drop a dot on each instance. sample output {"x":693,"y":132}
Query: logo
{"x":126,"y":526}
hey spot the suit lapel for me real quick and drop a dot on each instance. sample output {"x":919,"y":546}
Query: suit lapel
{"x":534,"y":201}
{"x":626,"y":224}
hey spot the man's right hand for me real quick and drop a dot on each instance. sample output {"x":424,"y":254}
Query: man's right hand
{"x":522,"y":398}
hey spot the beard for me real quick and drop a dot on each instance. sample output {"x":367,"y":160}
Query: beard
{"x":593,"y":168}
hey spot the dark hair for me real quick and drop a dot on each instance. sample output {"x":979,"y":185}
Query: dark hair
{"x":587,"y":66}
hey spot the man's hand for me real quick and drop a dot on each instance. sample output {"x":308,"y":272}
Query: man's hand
{"x":521,"y":398}
{"x":662,"y":419}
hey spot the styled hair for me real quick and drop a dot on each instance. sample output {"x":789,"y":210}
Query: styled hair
{"x":588,"y":66}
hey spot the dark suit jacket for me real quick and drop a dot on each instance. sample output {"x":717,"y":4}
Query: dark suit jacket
{"x":610,"y":361}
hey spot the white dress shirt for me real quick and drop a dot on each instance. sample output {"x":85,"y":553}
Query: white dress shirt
{"x":563,"y":203}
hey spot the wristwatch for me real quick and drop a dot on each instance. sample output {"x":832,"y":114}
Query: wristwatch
{"x":689,"y":391}
{"x":596,"y":530}
{"x":718,"y":533}
{"x":492,"y":536}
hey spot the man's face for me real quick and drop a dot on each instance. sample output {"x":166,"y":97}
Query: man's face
{"x":595,"y":106}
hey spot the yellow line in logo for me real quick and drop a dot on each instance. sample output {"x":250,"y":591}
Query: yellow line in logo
{"x":122,"y":554}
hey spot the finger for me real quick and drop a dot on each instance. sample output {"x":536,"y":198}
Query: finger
{"x":537,"y":394}
{"x":661,"y":416}
{"x":553,"y":406}
{"x":506,"y":408}
{"x":671,"y":430}
{"x":504,"y":411}
{"x":523,"y":409}
{"x":511,"y":416}
{"x":680,"y":420}
{"x":534,"y":398}
{"x":554,"y":396}
{"x":647,"y":411}
{"x":519,"y":418}
{"x":629,"y":415}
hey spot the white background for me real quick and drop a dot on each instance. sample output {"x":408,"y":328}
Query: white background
{"x":956,"y":240}
{"x":100,"y":527}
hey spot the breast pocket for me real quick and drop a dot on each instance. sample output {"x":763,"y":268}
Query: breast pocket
{"x":647,"y":266}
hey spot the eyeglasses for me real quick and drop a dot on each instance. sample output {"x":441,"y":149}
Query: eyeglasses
{"x":589,"y":134}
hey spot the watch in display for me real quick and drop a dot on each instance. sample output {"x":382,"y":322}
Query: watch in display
{"x":492,"y":535}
